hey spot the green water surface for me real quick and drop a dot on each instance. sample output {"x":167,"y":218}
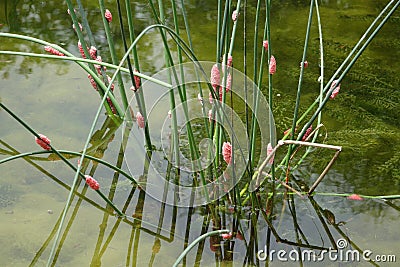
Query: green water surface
{"x":56,"y":98}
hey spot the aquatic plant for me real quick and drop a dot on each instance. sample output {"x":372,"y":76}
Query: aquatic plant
{"x":240,"y":166}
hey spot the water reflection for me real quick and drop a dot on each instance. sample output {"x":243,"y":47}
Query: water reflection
{"x":153,"y":233}
{"x":150,"y":230}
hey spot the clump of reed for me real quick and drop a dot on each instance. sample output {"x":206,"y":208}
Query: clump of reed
{"x":263,"y":173}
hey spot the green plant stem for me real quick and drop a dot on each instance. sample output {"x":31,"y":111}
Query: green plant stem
{"x":76,"y":59}
{"x":219,"y":22}
{"x":113,"y":54}
{"x":296,"y":109}
{"x":321,"y":81}
{"x":169,"y":63}
{"x":132,"y":35}
{"x":139,"y":93}
{"x":219,"y":131}
{"x":91,"y":38}
{"x":78,"y":173}
{"x":322,"y":66}
{"x":193,"y":148}
{"x":226,"y":70}
{"x":87,"y":55}
{"x":86,"y":68}
{"x":141,"y":104}
{"x":78,"y":31}
{"x":269,"y":53}
{"x":176,"y":38}
{"x":224,"y":31}
{"x":67,"y":152}
{"x":257,"y":94}
{"x":209,"y":131}
{"x":195,"y":242}
{"x":85,"y":22}
{"x":84,"y":151}
{"x":347,"y":69}
{"x":245,"y":67}
{"x":353,"y":51}
{"x":270,"y":93}
{"x":182,"y":81}
{"x":255,"y":76}
{"x":238,"y":197}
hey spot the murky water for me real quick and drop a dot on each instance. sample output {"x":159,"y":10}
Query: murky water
{"x":55,"y":98}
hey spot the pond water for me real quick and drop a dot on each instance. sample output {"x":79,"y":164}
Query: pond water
{"x":56,"y":98}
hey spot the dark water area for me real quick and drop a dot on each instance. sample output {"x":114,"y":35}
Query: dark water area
{"x":56,"y":98}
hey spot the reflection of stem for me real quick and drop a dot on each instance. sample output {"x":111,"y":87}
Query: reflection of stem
{"x":188,"y":223}
{"x":285,"y":241}
{"x":187,"y":232}
{"x":129,"y":249}
{"x":135,"y":246}
{"x":139,"y":209}
{"x":77,"y":170}
{"x":318,"y":210}
{"x":69,"y":225}
{"x":97,"y":253}
{"x":91,"y":202}
{"x":116,"y":225}
{"x":96,"y":260}
{"x":137,"y":222}
{"x":259,"y":172}
{"x":78,"y":173}
{"x":351,"y":242}
{"x":253,"y":239}
{"x":157,"y":244}
{"x":200,"y":248}
{"x":55,"y":179}
{"x":390,"y":204}
{"x":254,"y":223}
{"x":73,"y":215}
{"x":46,"y":243}
{"x":292,"y":209}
